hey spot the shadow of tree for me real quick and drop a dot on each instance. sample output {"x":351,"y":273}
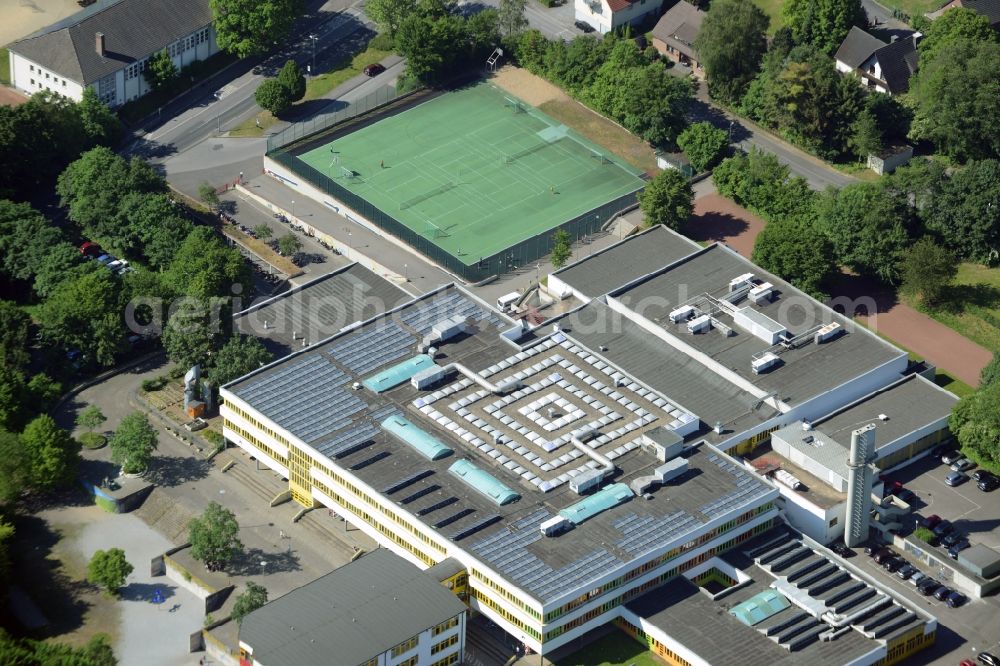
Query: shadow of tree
{"x":256,"y":562}
{"x":146,"y":591}
{"x":958,"y":298}
{"x":714,"y":226}
{"x":175,"y":470}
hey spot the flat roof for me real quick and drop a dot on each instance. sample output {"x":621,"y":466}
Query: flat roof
{"x":520,"y":438}
{"x":911,"y":403}
{"x":355,"y":612}
{"x":807,"y":369}
{"x":705,"y":626}
{"x":820,"y":447}
{"x":817,"y":491}
{"x":319,"y":308}
{"x":632,"y":258}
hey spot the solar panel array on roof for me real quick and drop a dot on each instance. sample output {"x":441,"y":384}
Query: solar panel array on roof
{"x":423,"y":318}
{"x":347,"y":442}
{"x":427,"y":490}
{"x":448,"y":520}
{"x":641,"y":532}
{"x":381,"y":455}
{"x":372,"y":348}
{"x":448,"y":501}
{"x":480,"y":524}
{"x":747,"y":489}
{"x":407,"y":480}
{"x":507,"y":552}
{"x":279,"y":396}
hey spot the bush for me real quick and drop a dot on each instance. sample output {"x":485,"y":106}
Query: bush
{"x":216,"y":439}
{"x":925,"y":535}
{"x":704,"y":144}
{"x":176,"y":372}
{"x":154,"y":384}
{"x":382,"y":42}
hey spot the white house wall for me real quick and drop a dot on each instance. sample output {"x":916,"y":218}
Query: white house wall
{"x":30,"y":78}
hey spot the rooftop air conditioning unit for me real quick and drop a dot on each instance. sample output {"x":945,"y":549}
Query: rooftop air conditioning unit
{"x":682,"y":313}
{"x":555,"y":526}
{"x":761,"y":293}
{"x":765,"y":362}
{"x":741,"y":281}
{"x":699,"y":324}
{"x":828,"y":332}
{"x":787,"y":479}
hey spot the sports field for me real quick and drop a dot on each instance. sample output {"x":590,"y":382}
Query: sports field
{"x":475,"y":171}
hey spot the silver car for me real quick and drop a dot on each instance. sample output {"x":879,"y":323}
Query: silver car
{"x":917,"y":577}
{"x":962,"y":464}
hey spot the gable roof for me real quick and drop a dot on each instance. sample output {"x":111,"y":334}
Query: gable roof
{"x":988,"y":8}
{"x":899,"y":63}
{"x":355,"y":612}
{"x":857,"y":47}
{"x":133,"y":30}
{"x":679,"y":27}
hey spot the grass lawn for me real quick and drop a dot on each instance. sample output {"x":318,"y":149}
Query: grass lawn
{"x":603,"y":132}
{"x":974,"y":309}
{"x":249,"y":128}
{"x":615,"y":649}
{"x":5,"y":67}
{"x":914,"y":7}
{"x":344,"y":70}
{"x":773,"y":9}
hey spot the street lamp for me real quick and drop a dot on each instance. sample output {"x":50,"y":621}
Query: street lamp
{"x":313,"y":38}
{"x":406,"y":274}
{"x":293,"y":207}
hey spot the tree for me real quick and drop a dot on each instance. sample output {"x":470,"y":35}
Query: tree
{"x":389,"y":14}
{"x":976,"y":423}
{"x":14,"y":323}
{"x":289,"y":244}
{"x":53,"y":455}
{"x":732,"y":41}
{"x":252,"y":598}
{"x":667,"y":200}
{"x":100,"y":124}
{"x":109,"y":569}
{"x":208,"y":195}
{"x":85,"y":313}
{"x":203,"y":266}
{"x":704,"y":144}
{"x":562,"y":248}
{"x":97,"y":652}
{"x":62,"y":262}
{"x":263,"y":232}
{"x":794,"y":249}
{"x":250,"y":27}
{"x":866,"y":137}
{"x":868,"y":228}
{"x":991,"y":373}
{"x":133,"y":443}
{"x":91,"y":419}
{"x":240,"y":355}
{"x":193,"y":332}
{"x":431,"y":45}
{"x":926,"y":270}
{"x":965,"y":212}
{"x":160,"y":70}
{"x":15,"y":468}
{"x":273,"y":97}
{"x":294,"y":81}
{"x":27,"y":238}
{"x":823,"y":23}
{"x":511,"y":17}
{"x":957,"y":107}
{"x":214,"y":537}
{"x":156,"y":227}
{"x":760,"y":182}
{"x":958,"y":23}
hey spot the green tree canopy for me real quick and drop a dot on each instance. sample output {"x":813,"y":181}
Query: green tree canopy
{"x":794,"y":249}
{"x":272,"y":96}
{"x":62,"y":262}
{"x":511,"y":17}
{"x":991,"y":373}
{"x":53,"y":455}
{"x":866,"y":136}
{"x":965,"y":212}
{"x":562,"y":248}
{"x":27,"y":238}
{"x":956,"y":100}
{"x":760,"y":182}
{"x":263,"y":231}
{"x":389,"y":14}
{"x":15,"y":468}
{"x":90,"y":418}
{"x":240,"y":355}
{"x":14,"y":324}
{"x":100,"y":124}
{"x":977,"y":418}
{"x":214,"y":537}
{"x":731,"y":43}
{"x":133,"y":443}
{"x":203,"y":266}
{"x":292,"y":77}
{"x":160,"y":70}
{"x":153,"y":227}
{"x":289,"y":244}
{"x":667,"y":200}
{"x":252,"y":598}
{"x":109,"y":569}
{"x":250,"y":27}
{"x":823,"y":23}
{"x":927,"y":269}
{"x":27,"y":652}
{"x":193,"y":332}
{"x":868,"y":228}
{"x":958,"y":23}
{"x":85,"y":313}
{"x":704,"y":144}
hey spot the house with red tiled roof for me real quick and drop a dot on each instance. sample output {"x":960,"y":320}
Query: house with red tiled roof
{"x":607,"y":15}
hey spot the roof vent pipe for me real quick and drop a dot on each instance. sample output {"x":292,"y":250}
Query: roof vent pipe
{"x":497,"y":389}
{"x":606,"y":465}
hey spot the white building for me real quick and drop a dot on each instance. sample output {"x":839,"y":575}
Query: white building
{"x":107,"y":45}
{"x":606,"y":15}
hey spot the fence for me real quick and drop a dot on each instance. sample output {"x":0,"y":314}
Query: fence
{"x":323,"y":121}
{"x":512,"y":258}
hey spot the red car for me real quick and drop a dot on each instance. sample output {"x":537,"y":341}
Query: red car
{"x":374,"y":69}
{"x":90,"y":249}
{"x":931,"y":521}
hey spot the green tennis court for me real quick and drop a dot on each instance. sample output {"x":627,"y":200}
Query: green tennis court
{"x":475,"y":171}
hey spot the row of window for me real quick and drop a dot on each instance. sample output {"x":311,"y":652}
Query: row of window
{"x":189,"y":42}
{"x":412,"y":661}
{"x":245,"y":434}
{"x":656,"y":646}
{"x":506,"y":594}
{"x":56,"y":79}
{"x":654,"y":563}
{"x":405,"y":646}
{"x":445,"y":644}
{"x":445,"y":626}
{"x":447,"y":661}
{"x":485,"y":600}
{"x":257,"y":424}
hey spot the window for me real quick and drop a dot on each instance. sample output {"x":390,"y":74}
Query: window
{"x":32,"y":82}
{"x":405,"y":646}
{"x":834,"y":521}
{"x":31,"y":68}
{"x":46,"y":75}
{"x":64,"y":83}
{"x":447,"y":661}
{"x":412,"y":661}
{"x":371,"y":662}
{"x":445,"y":626}
{"x":444,"y":645}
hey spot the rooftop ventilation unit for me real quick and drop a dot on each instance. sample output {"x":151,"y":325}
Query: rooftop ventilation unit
{"x":828,"y":332}
{"x":555,"y":526}
{"x":789,"y":480}
{"x":585,"y":481}
{"x":662,"y":443}
{"x":699,"y":324}
{"x":740,"y":282}
{"x":660,"y":476}
{"x":682,"y":313}
{"x":765,"y":362}
{"x":759,"y":325}
{"x":761,"y":293}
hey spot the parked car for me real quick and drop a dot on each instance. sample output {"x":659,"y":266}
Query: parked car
{"x":981,"y":474}
{"x":942,"y":592}
{"x":115,"y":265}
{"x":989,"y":484}
{"x":105,"y":258}
{"x":90,"y":249}
{"x":950,"y":456}
{"x":953,"y":538}
{"x":955,"y":599}
{"x":988,"y":658}
{"x":930,"y":522}
{"x":906,"y":571}
{"x":941,"y":449}
{"x":942,"y":528}
{"x":927,"y":586}
{"x":956,"y":479}
{"x":962,"y":464}
{"x":872,"y":548}
{"x":374,"y":69}
{"x":958,"y":548}
{"x":915,"y":578}
{"x":583,"y":26}
{"x":840,"y":548}
{"x":882,"y":556}
{"x":895,"y":564}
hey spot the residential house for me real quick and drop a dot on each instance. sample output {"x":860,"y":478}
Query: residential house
{"x":107,"y":45}
{"x":607,"y":15}
{"x":674,"y":35}
{"x":884,"y":67}
{"x":988,"y":8}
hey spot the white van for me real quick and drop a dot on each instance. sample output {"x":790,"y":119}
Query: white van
{"x":506,"y":302}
